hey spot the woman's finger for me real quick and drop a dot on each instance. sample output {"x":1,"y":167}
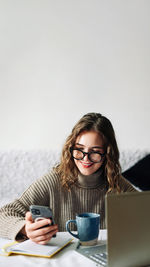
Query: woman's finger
{"x":39,"y":224}
{"x":44,"y":238}
{"x":28,"y":216}
{"x":43,"y":231}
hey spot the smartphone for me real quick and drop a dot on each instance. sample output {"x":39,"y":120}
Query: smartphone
{"x":41,"y":212}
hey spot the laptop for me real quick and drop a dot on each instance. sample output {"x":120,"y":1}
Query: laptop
{"x":128,"y":232}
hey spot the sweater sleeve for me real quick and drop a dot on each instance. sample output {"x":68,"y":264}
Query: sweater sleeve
{"x":12,"y":215}
{"x":126,"y":186}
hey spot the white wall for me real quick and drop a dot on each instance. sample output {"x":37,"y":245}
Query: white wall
{"x":61,"y":59}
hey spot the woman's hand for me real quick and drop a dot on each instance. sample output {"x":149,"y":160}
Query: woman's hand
{"x":37,"y":234}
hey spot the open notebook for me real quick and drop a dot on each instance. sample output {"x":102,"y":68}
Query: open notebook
{"x":32,"y":249}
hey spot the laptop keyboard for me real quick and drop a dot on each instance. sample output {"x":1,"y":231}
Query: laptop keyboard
{"x":97,"y":254}
{"x":99,"y":258}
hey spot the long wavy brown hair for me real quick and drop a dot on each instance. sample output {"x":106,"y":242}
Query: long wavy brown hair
{"x":112,"y":170}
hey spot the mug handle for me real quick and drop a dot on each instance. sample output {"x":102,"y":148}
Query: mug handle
{"x":68,"y":229}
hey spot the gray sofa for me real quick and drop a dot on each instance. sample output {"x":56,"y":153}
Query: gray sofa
{"x":18,"y":169}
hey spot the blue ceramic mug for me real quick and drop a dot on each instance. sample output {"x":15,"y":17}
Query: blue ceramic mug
{"x":88,"y":225}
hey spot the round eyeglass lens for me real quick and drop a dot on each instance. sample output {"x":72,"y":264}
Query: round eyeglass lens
{"x":77,"y":154}
{"x":95,"y":157}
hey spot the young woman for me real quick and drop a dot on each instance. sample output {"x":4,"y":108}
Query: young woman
{"x":89,"y":169}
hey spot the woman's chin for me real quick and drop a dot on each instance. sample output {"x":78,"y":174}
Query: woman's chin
{"x":85,"y":171}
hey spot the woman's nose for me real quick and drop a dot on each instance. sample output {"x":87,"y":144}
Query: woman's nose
{"x":86,"y":157}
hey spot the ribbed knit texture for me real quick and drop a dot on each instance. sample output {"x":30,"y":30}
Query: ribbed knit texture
{"x":84,"y":196}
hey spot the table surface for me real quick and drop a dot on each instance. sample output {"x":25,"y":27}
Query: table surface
{"x":67,"y":257}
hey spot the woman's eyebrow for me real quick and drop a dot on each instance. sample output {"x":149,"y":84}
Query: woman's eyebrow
{"x":79,"y":144}
{"x":90,"y":147}
{"x":97,"y":147}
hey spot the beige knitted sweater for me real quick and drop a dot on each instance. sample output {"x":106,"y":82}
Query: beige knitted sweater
{"x":87,"y":195}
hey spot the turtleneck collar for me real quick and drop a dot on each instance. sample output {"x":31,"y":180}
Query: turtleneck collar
{"x":91,"y":181}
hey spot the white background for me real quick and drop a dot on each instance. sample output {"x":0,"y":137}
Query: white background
{"x":60,"y":59}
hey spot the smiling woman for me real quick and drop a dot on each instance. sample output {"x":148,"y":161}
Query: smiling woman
{"x":88,"y":170}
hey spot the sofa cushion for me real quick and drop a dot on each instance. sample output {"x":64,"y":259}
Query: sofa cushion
{"x":139,"y":174}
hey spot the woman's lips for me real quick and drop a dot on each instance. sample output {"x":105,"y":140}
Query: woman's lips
{"x":86,"y":164}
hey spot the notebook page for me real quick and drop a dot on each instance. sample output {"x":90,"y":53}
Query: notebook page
{"x":30,"y":247}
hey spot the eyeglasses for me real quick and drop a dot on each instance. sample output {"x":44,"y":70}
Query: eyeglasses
{"x":93,"y":156}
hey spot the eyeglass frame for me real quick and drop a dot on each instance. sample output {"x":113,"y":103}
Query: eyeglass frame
{"x":87,"y":153}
